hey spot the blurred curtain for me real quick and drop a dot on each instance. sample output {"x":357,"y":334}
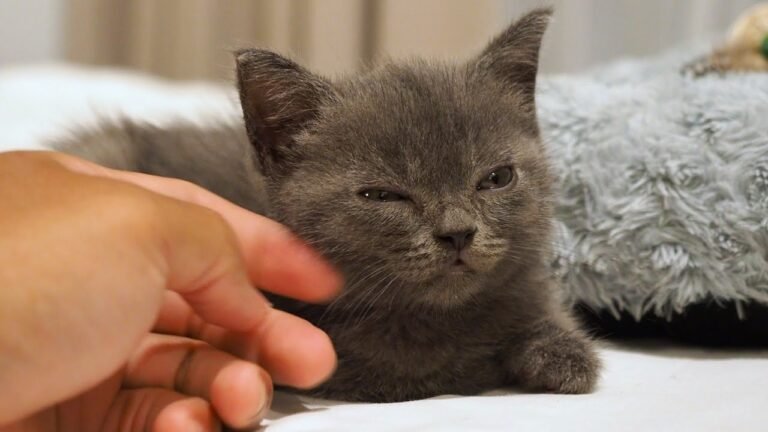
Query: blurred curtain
{"x":191,"y":39}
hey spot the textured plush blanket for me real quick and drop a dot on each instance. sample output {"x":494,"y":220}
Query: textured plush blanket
{"x":663,"y":186}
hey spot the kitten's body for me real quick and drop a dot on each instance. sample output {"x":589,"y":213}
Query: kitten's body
{"x":218,"y":158}
{"x":447,"y":286}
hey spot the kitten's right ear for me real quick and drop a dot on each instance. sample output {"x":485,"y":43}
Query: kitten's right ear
{"x":278,"y":98}
{"x":513,"y":56}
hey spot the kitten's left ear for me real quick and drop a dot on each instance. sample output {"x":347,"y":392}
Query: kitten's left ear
{"x":278,"y":98}
{"x":513,"y":56}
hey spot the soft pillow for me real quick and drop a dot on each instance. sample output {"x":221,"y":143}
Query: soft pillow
{"x":663,"y":186}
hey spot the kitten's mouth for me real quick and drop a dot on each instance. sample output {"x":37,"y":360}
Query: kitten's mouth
{"x":458,"y":266}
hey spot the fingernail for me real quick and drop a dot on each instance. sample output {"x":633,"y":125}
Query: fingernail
{"x":266,"y":400}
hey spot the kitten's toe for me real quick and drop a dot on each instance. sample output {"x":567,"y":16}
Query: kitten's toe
{"x":568,"y":364}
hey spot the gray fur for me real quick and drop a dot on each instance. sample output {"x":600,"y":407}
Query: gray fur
{"x":408,"y":325}
{"x":216,"y":158}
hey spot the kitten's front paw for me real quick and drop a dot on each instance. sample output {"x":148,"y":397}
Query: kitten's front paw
{"x":562,"y":363}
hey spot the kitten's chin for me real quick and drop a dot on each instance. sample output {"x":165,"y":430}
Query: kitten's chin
{"x":454,"y":288}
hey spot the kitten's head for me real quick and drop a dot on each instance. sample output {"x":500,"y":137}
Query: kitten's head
{"x":423,"y":182}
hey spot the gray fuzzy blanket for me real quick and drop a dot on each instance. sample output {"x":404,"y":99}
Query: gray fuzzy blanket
{"x":663,"y":192}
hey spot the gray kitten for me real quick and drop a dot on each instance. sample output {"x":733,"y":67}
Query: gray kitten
{"x":427,"y":185}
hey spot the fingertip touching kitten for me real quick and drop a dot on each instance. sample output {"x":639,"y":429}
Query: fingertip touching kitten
{"x":428,"y":186}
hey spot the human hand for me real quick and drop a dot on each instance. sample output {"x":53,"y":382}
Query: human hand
{"x":127,"y":302}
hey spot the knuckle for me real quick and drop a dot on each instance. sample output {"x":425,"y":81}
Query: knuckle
{"x":189,"y":192}
{"x":130,"y":211}
{"x":138,"y":209}
{"x":217,"y":228}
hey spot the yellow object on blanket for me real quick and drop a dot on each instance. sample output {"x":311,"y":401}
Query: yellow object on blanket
{"x":745,"y":50}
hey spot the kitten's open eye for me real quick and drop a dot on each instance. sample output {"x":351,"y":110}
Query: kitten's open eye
{"x":381,"y":195}
{"x":497,"y":179}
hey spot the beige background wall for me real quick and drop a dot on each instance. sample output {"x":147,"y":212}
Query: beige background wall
{"x":191,"y":39}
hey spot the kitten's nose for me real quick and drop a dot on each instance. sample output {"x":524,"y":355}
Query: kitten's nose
{"x":459,"y":239}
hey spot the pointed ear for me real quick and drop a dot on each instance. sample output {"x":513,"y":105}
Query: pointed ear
{"x":513,"y":56}
{"x":278,"y":98}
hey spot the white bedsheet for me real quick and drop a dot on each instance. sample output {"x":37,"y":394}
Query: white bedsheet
{"x":643,"y":388}
{"x":652,"y":386}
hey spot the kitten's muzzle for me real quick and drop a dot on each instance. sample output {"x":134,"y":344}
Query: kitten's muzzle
{"x":457,"y":239}
{"x":459,"y":266}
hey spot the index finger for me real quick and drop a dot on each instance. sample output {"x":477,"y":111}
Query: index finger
{"x":275,"y":259}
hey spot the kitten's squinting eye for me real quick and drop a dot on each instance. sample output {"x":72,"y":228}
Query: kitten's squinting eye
{"x":381,"y":195}
{"x":497,"y":179}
